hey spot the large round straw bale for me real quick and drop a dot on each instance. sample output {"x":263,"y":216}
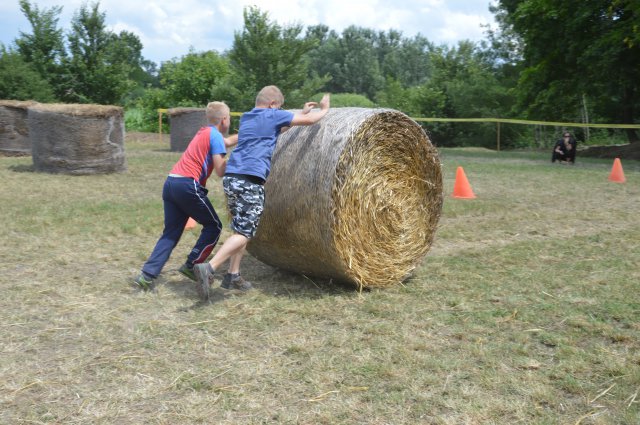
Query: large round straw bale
{"x":184,"y":124}
{"x":77,"y":139}
{"x":355,"y":197}
{"x":14,"y":131}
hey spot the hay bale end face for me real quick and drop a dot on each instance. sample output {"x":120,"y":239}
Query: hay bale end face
{"x":184,"y":124}
{"x":355,"y":197}
{"x":14,"y":130}
{"x":77,"y":139}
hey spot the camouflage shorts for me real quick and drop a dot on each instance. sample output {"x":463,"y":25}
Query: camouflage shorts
{"x":245,"y":201}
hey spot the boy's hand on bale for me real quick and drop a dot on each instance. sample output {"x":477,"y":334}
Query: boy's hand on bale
{"x":325,"y":102}
{"x":308,"y":107}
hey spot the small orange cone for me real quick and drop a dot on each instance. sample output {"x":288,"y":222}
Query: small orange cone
{"x":617,"y":175}
{"x":462,"y":188}
{"x":191,"y":223}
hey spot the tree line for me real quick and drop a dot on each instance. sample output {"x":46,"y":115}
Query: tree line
{"x":570,"y":61}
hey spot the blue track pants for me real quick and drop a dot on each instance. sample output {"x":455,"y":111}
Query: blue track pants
{"x":184,"y":197}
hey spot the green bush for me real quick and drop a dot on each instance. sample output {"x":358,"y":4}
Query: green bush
{"x":143,"y":114}
{"x":340,"y":100}
{"x":134,"y":120}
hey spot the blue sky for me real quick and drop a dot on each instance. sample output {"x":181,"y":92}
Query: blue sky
{"x":168,"y":29}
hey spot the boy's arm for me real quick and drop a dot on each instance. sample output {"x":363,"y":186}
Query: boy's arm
{"x":309,"y":117}
{"x":231,"y":141}
{"x":219,"y":165}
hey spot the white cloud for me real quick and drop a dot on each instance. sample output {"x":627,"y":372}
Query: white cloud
{"x":460,"y":26}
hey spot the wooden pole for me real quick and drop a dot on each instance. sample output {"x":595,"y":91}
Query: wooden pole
{"x":585,"y":116}
{"x":498,"y":136}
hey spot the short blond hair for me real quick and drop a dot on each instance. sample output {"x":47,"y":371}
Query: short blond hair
{"x":269,"y":94}
{"x":216,"y":111}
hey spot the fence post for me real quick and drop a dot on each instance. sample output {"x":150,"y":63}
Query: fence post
{"x":498,"y":136}
{"x":160,"y":112}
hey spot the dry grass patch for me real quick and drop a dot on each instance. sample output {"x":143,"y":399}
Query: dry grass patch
{"x":524,"y":311}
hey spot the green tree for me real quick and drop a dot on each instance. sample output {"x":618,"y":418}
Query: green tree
{"x":44,"y":47}
{"x":351,"y":60}
{"x":196,"y":79}
{"x":126,"y":48}
{"x":464,"y":84}
{"x":20,"y":80}
{"x":469,"y":80}
{"x":364,"y":61}
{"x":264,"y":53}
{"x":394,"y":95}
{"x":146,"y":109}
{"x":406,"y":60}
{"x":99,"y":67}
{"x":387,"y":46}
{"x":575,"y":49}
{"x":407,"y":66}
{"x":192,"y":80}
{"x":324,"y":57}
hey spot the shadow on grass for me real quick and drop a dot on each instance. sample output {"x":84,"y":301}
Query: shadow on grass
{"x":216,"y":295}
{"x":186,"y":288}
{"x":267,"y":280}
{"x":282,"y":283}
{"x":22,"y":168}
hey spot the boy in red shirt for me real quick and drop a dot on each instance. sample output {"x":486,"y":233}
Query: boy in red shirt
{"x":184,"y":195}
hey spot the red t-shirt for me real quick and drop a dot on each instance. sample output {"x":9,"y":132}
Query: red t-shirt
{"x":197,"y":160}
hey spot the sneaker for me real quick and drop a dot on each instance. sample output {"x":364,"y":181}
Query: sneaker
{"x":204,"y":279}
{"x":237,"y":282}
{"x":144,"y":283}
{"x":187,"y":271}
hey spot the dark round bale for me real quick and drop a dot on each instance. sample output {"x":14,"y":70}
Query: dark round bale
{"x":184,"y":124}
{"x":355,"y":197}
{"x":14,"y":131}
{"x":77,"y":139}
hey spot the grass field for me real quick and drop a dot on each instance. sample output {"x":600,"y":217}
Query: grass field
{"x":525,"y":311}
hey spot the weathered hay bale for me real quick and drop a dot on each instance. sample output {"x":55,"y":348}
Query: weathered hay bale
{"x":355,"y":197}
{"x":14,"y":131}
{"x":184,"y":124}
{"x":77,"y":139}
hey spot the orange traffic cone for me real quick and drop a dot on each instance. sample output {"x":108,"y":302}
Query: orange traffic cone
{"x":462,"y":188}
{"x":617,"y":175}
{"x":191,"y":223}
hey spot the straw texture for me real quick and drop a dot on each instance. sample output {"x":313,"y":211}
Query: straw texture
{"x":77,"y":139}
{"x":355,"y":197}
{"x":14,"y":131}
{"x":185,"y":123}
